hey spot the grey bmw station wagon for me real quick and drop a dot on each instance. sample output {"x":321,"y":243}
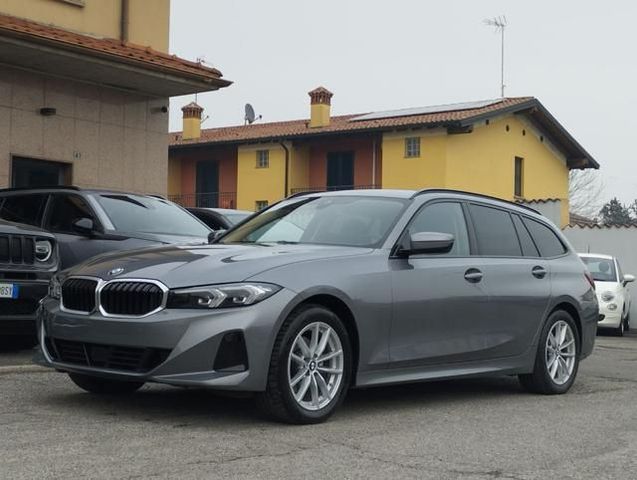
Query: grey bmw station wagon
{"x":323,"y":292}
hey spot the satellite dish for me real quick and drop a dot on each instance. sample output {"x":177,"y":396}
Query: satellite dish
{"x":250,"y":116}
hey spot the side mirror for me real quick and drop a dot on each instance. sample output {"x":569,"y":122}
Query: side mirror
{"x":84,"y":226}
{"x":215,"y":235}
{"x":429,"y":242}
{"x":628,"y":278}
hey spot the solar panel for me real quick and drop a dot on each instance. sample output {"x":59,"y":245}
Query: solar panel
{"x":406,"y":112}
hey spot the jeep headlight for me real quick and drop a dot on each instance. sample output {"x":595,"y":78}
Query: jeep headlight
{"x":608,"y":296}
{"x":43,"y":250}
{"x":55,"y":288}
{"x":221,"y":296}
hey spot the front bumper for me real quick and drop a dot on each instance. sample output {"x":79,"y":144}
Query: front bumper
{"x":612,"y":318}
{"x":17,"y":316}
{"x":191,"y":339}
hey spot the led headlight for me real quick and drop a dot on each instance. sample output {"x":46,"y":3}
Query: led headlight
{"x":55,"y":288}
{"x":43,"y":250}
{"x":612,"y":307}
{"x":221,"y":296}
{"x":608,"y":296}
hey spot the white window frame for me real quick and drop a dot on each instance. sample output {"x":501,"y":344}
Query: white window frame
{"x":412,"y":147}
{"x":263,"y":159}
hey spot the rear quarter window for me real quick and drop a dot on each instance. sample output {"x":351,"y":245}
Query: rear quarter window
{"x":545,"y":238}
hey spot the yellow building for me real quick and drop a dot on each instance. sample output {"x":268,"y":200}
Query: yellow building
{"x":511,"y":148}
{"x":84,"y":93}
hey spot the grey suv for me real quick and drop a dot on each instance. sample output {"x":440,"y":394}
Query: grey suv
{"x":326,"y":291}
{"x":90,"y":222}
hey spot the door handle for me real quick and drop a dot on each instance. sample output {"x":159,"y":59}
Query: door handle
{"x":538,"y":272}
{"x":473,"y":275}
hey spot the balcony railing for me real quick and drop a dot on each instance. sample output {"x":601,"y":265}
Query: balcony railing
{"x":206,"y":200}
{"x":331,"y":189}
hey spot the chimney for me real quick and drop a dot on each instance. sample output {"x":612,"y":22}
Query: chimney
{"x":192,"y":121}
{"x":320,"y":104}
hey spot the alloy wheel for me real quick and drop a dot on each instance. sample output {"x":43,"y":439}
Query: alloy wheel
{"x":560,"y":352}
{"x":315,"y":366}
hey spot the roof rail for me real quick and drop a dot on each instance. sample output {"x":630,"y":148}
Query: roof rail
{"x":481,"y":195}
{"x":43,"y":187}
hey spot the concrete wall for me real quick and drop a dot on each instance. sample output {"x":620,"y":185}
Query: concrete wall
{"x":551,"y":210}
{"x":110,"y":139}
{"x":617,"y":241}
{"x":148,"y":24}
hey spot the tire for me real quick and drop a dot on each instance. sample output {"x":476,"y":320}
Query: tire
{"x":619,"y":331}
{"x":627,"y":323}
{"x":541,"y":380}
{"x":291,"y":368}
{"x":104,"y":386}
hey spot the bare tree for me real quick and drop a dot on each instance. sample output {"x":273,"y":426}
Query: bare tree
{"x":585,"y":192}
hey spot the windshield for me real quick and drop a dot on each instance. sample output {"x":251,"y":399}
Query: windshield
{"x":350,"y":221}
{"x":602,"y":269}
{"x":138,"y":213}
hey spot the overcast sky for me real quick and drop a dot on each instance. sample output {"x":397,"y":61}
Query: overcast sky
{"x":577,"y":57}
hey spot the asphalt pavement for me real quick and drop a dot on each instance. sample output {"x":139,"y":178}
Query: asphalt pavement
{"x":469,"y":429}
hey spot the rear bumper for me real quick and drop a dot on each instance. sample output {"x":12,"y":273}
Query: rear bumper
{"x":18,"y":317}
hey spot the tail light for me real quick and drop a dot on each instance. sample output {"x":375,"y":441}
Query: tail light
{"x":589,"y":277}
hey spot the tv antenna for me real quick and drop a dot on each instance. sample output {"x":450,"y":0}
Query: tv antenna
{"x":499,"y":23}
{"x":250,"y":116}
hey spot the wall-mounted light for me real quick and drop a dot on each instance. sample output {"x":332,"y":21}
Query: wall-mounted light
{"x":162,"y":109}
{"x":48,"y":111}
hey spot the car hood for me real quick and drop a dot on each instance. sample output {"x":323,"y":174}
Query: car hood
{"x":191,"y":265}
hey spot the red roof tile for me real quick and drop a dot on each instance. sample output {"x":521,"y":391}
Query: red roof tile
{"x":111,"y":48}
{"x":339,"y":124}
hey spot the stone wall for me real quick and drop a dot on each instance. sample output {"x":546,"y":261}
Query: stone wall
{"x":111,"y":139}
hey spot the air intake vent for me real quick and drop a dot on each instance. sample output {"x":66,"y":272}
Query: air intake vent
{"x":132,"y":298}
{"x":17,"y":250}
{"x":78,"y":294}
{"x":112,"y":357}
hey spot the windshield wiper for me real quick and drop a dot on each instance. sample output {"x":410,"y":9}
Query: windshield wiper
{"x":284,"y":242}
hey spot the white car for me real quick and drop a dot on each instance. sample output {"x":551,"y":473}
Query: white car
{"x":612,"y":291}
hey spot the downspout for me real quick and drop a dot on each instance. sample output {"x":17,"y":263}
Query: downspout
{"x":287,"y":168}
{"x":374,"y":163}
{"x":123,"y":26}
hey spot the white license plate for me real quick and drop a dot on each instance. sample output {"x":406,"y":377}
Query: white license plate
{"x":9,"y":290}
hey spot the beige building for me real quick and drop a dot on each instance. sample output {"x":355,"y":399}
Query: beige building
{"x":84,"y":89}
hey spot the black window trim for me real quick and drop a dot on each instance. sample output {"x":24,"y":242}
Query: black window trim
{"x":399,"y":241}
{"x":537,"y":249}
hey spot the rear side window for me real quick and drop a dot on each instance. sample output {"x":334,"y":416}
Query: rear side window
{"x":24,"y":209}
{"x":495,"y":233}
{"x":444,"y":217}
{"x":528,"y":247}
{"x":545,"y":238}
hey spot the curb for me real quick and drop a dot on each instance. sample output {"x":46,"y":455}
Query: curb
{"x":6,"y":370}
